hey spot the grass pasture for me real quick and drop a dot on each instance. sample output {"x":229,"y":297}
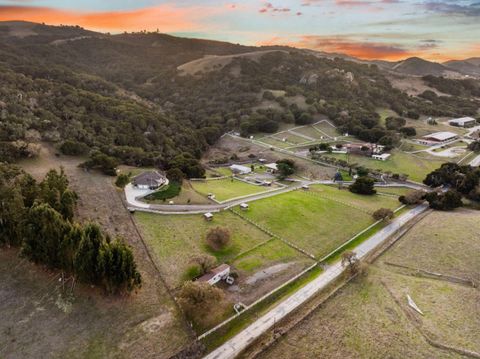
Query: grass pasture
{"x":174,"y":240}
{"x":368,"y":317}
{"x":416,"y":167}
{"x":317,"y":221}
{"x":309,"y":131}
{"x":228,"y":188}
{"x":327,"y":129}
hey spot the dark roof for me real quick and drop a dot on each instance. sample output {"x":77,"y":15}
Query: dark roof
{"x":150,"y":178}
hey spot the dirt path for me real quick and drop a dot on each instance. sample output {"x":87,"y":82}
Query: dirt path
{"x":147,"y":324}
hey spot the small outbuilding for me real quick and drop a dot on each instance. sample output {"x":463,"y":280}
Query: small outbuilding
{"x":208,"y":216}
{"x":382,"y":157}
{"x":239,"y":169}
{"x":216,"y":274}
{"x":271,"y":167}
{"x":244,"y":206}
{"x":463,"y":122}
{"x":149,"y":180}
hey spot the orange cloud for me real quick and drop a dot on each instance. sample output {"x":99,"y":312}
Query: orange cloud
{"x":165,"y":17}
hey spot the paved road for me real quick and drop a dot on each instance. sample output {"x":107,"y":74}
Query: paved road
{"x":237,"y":344}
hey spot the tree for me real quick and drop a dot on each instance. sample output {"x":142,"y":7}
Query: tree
{"x":352,"y":262}
{"x":444,"y":201}
{"x":363,"y":185}
{"x":285,"y":168}
{"x":74,"y":148}
{"x":120,"y":269}
{"x":218,"y":238}
{"x":197,"y":299}
{"x":409,"y":131}
{"x":175,"y":175}
{"x":122,"y":180}
{"x":45,"y":232}
{"x":88,"y":261}
{"x":362,"y":171}
{"x":382,"y":214}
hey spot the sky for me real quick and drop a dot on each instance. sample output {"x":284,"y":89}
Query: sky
{"x":437,"y":30}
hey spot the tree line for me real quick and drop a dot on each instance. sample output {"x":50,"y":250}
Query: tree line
{"x":38,"y":218}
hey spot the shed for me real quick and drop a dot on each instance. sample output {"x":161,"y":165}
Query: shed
{"x":244,"y":206}
{"x":216,"y":274}
{"x":382,"y":157}
{"x":438,"y":138}
{"x":271,"y":167}
{"x":239,"y":169}
{"x":208,"y":216}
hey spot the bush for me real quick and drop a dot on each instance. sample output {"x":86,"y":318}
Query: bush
{"x":74,"y":148}
{"x":285,"y":167}
{"x":218,"y":238}
{"x":363,"y":185}
{"x":382,"y":214}
{"x":122,"y":180}
{"x":412,"y":197}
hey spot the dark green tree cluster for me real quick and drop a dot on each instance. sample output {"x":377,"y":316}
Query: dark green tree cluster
{"x":363,"y":185}
{"x":38,"y":218}
{"x":462,"y":179}
{"x":285,"y":167}
{"x":446,"y":201}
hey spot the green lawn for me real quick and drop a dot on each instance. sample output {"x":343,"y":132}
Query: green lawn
{"x":367,"y":203}
{"x":400,"y":162}
{"x":175,"y":239}
{"x":271,"y":252}
{"x":225,"y":189}
{"x":309,"y":131}
{"x":290,"y":137}
{"x":315,"y":224}
{"x":327,"y":129}
{"x":274,"y":142}
{"x":398,"y":191}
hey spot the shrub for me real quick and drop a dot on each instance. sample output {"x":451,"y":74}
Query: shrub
{"x":198,"y":299}
{"x":218,"y":238}
{"x":382,"y":214}
{"x":412,"y":197}
{"x":122,"y":180}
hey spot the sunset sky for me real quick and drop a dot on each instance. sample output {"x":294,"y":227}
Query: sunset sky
{"x":382,"y":29}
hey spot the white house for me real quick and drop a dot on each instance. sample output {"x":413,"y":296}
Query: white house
{"x":463,"y":122}
{"x":239,"y":169}
{"x":149,"y":180}
{"x":216,"y":274}
{"x":382,"y":157}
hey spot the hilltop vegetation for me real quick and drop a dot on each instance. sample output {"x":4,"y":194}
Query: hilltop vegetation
{"x":123,"y":96}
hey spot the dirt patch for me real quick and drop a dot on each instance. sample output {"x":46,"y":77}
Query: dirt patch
{"x":214,"y":62}
{"x":411,"y":85}
{"x":266,"y":273}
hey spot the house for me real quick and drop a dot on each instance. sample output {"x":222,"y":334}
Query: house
{"x":216,"y":274}
{"x":239,"y":169}
{"x":463,"y":122}
{"x":382,"y":157}
{"x":438,"y":138}
{"x":365,"y":149}
{"x":244,"y":206}
{"x":271,"y":167}
{"x":149,"y":180}
{"x":208,"y":216}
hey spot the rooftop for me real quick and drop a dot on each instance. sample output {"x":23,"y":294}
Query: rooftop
{"x":150,"y":178}
{"x":441,"y":136}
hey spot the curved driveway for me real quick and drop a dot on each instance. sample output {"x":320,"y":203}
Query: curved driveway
{"x":134,"y":195}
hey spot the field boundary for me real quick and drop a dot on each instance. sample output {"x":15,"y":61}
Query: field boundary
{"x":437,"y":276}
{"x":414,"y":322}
